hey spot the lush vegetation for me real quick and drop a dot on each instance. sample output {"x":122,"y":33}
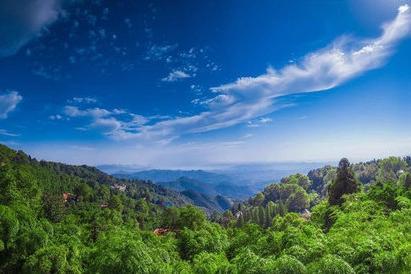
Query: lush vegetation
{"x":57,"y":218}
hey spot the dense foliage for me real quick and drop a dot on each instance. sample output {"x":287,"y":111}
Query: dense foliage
{"x":57,"y":218}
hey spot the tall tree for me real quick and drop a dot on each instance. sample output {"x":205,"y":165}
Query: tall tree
{"x":345,"y":183}
{"x":407,"y":181}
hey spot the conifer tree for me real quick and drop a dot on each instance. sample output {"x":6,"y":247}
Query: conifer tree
{"x":345,"y":183}
{"x":241,"y":220}
{"x":261,"y":215}
{"x":407,"y":181}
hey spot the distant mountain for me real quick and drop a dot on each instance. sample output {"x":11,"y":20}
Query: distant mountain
{"x":210,"y":189}
{"x":184,"y":183}
{"x":112,"y":169}
{"x":208,"y":183}
{"x":236,"y":182}
{"x":261,"y":174}
{"x":163,"y":175}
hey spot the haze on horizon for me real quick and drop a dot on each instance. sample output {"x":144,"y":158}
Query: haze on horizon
{"x":194,"y":85}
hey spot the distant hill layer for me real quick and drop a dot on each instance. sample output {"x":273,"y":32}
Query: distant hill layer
{"x":163,"y":175}
{"x":236,"y":182}
{"x":204,"y":182}
{"x":44,"y":171}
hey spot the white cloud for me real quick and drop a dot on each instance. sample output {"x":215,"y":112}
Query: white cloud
{"x":265,"y":120}
{"x":81,"y":100}
{"x":249,"y":98}
{"x":196,"y":89}
{"x":219,"y":101}
{"x":8,"y":133}
{"x":326,"y":68}
{"x":252,"y":97}
{"x":110,"y":124}
{"x":182,"y":63}
{"x":73,"y":111}
{"x":55,"y":117}
{"x":8,"y":103}
{"x":22,"y":20}
{"x":159,"y":53}
{"x":115,"y":123}
{"x":259,"y":122}
{"x":403,"y":8}
{"x":139,"y":119}
{"x":175,"y":75}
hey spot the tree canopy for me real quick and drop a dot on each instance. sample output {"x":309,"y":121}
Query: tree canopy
{"x":56,"y":218}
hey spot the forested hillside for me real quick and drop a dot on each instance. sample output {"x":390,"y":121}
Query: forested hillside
{"x":298,"y":193}
{"x":56,"y":218}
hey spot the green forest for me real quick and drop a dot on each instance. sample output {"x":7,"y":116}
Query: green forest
{"x":57,"y":218}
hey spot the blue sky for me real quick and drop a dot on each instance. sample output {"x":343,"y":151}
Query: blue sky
{"x":183,"y":84}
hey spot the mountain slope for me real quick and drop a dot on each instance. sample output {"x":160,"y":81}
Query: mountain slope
{"x":216,"y":203}
{"x":65,"y":175}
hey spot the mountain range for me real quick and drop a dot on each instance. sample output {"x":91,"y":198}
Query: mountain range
{"x":235,"y":182}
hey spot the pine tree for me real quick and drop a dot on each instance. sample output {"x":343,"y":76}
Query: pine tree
{"x":281,"y":209}
{"x":256,"y":216}
{"x":241,"y":221}
{"x":261,"y":215}
{"x":345,"y":183}
{"x":407,"y":181}
{"x":270,"y":210}
{"x":268,"y":218}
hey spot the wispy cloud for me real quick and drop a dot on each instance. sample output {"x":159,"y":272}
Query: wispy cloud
{"x":83,"y":100}
{"x":115,"y":123}
{"x":182,"y":63}
{"x":8,"y":133}
{"x":175,"y":75}
{"x":73,"y":111}
{"x":8,"y":103}
{"x":251,"y":97}
{"x":56,"y":117}
{"x":259,"y":122}
{"x":322,"y":70}
{"x":159,"y":52}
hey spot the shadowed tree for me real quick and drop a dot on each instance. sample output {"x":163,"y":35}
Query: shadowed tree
{"x":407,"y":181}
{"x":345,"y":183}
